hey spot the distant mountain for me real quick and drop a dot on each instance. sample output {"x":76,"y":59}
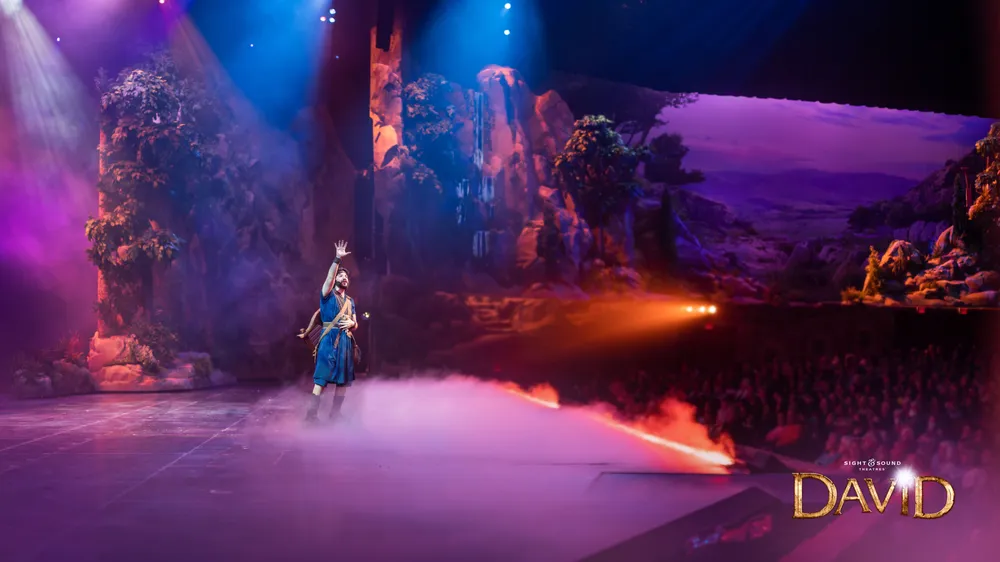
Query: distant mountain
{"x":799,"y":204}
{"x":928,"y":201}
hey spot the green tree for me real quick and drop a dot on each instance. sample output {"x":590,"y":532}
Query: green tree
{"x":984,"y":213}
{"x":146,"y":154}
{"x":598,"y":170}
{"x":431,"y":122}
{"x":433,"y":164}
{"x":665,"y":164}
{"x":550,"y":246}
{"x":959,"y":213}
{"x":178,"y":164}
{"x":636,"y":110}
{"x":873,"y":275}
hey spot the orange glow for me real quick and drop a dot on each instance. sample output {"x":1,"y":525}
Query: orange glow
{"x":702,"y":309}
{"x":545,"y":395}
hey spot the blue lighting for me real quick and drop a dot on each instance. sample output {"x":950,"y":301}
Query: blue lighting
{"x":506,"y":6}
{"x":506,"y":32}
{"x":333,"y":12}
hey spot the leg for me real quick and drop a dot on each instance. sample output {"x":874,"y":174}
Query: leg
{"x":314,"y":402}
{"x":339,"y":395}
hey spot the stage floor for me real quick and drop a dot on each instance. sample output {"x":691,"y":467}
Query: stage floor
{"x":232,"y":474}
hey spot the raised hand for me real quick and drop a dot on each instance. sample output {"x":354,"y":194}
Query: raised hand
{"x":341,"y":247}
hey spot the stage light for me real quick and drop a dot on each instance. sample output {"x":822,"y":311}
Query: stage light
{"x":506,"y":6}
{"x":251,"y":45}
{"x":163,"y":1}
{"x":333,"y":12}
{"x":701,"y":309}
{"x":322,"y":18}
{"x":690,"y":309}
{"x":506,"y":32}
{"x":10,"y":7}
{"x":331,"y":20}
{"x":58,"y":39}
{"x":712,"y":310}
{"x":367,"y":315}
{"x":905,"y":477}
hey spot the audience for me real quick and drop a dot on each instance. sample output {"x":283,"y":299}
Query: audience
{"x":926,"y":409}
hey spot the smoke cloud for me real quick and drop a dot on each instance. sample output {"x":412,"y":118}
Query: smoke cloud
{"x":458,"y":416}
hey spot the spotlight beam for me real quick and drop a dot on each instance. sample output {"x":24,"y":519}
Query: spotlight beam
{"x":49,"y":103}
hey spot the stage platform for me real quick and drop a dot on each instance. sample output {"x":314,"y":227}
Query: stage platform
{"x":232,"y":474}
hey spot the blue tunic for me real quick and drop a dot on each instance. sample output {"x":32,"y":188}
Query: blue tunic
{"x":334,"y":366}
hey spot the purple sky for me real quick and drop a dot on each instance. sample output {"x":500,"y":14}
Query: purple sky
{"x":766,"y":135}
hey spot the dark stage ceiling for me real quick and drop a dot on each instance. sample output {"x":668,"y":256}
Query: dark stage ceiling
{"x":904,"y":54}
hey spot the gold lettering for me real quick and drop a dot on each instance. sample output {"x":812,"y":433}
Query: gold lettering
{"x":905,"y":493}
{"x":831,"y":490}
{"x":880,"y":505}
{"x":918,"y":493}
{"x":852,"y":484}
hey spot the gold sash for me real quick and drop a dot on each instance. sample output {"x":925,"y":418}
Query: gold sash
{"x":345,"y":311}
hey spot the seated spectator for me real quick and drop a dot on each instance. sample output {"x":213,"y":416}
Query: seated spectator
{"x":895,"y":406}
{"x":831,"y":451}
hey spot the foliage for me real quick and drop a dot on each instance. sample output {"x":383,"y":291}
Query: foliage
{"x":959,"y":213}
{"x":137,"y":353}
{"x":636,"y":110}
{"x":873,"y":274}
{"x":667,"y":229}
{"x":984,"y":213}
{"x":598,"y":170}
{"x":550,"y":246}
{"x":895,"y":213}
{"x":664,"y":166}
{"x":431,"y":123}
{"x":851,"y":295}
{"x":182,"y":177}
{"x":71,"y":348}
{"x":431,"y":160}
{"x":161,"y":340}
{"x":56,"y":371}
{"x":149,"y":156}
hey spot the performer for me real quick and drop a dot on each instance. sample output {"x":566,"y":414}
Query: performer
{"x":335,"y":349}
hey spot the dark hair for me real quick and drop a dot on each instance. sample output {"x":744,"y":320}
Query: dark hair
{"x":344,"y":270}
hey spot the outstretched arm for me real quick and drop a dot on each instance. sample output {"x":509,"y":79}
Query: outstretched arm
{"x":331,"y":276}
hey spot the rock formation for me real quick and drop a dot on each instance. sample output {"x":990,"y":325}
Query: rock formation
{"x":958,"y":268}
{"x":947,"y":276}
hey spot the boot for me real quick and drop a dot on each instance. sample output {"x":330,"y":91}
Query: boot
{"x":313,"y":408}
{"x":338,"y":403}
